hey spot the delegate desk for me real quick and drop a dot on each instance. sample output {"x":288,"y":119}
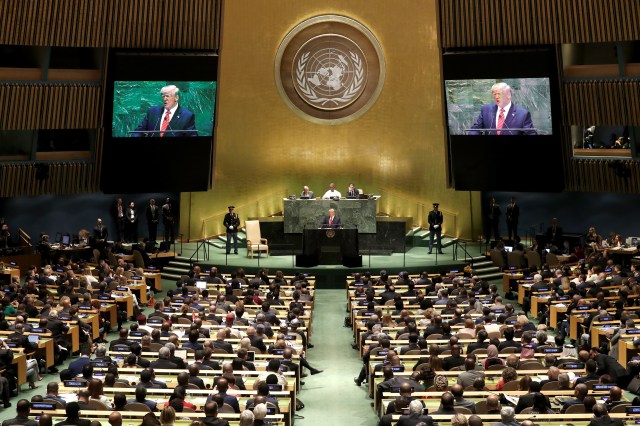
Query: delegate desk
{"x":302,"y":214}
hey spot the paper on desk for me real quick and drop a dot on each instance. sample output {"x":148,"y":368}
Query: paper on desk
{"x":560,"y":305}
{"x":68,"y":397}
{"x":512,"y":399}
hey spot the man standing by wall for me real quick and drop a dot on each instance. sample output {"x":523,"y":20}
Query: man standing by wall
{"x":435,"y":220}
{"x":232,"y":222}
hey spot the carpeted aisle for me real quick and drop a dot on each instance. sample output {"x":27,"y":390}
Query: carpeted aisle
{"x":331,"y":398}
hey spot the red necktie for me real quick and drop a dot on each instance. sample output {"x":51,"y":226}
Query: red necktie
{"x":165,"y":123}
{"x":500,"y":120}
{"x":331,"y":220}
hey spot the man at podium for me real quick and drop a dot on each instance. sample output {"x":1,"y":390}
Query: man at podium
{"x":168,"y":120}
{"x":503,"y":117}
{"x":331,"y":220}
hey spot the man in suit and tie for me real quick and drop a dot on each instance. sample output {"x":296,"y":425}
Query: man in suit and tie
{"x":306,"y":192}
{"x":503,"y":117}
{"x":493,"y":220}
{"x":435,"y":220}
{"x":231,"y":223}
{"x":119,"y":211}
{"x":554,"y":234}
{"x":168,"y":120}
{"x":131,"y":228}
{"x":331,"y":220}
{"x":168,"y":220}
{"x":153,"y":217}
{"x":352,"y":192}
{"x":513,"y":213}
{"x":100,"y":234}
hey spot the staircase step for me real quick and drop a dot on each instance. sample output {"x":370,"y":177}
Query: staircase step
{"x":423,"y":233}
{"x":414,"y":230}
{"x":172,"y":277}
{"x":179,"y":264}
{"x":174,"y":270}
{"x":219,"y":244}
{"x":490,"y":276}
{"x":446,"y":242}
{"x":482,"y":264}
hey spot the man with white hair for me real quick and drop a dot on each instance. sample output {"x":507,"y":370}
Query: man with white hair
{"x":168,"y":120}
{"x":502,"y":116}
{"x":259,"y":413}
{"x":246,"y":418}
{"x":508,"y":417}
{"x":415,"y":415}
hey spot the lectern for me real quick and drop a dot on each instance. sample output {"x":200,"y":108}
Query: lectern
{"x":329,"y":247}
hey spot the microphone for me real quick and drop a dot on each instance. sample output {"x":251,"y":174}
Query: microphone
{"x":157,"y":125}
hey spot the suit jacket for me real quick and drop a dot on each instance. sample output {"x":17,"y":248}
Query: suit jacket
{"x":163,"y":363}
{"x":605,"y":421}
{"x":414,"y":419}
{"x":435,"y":218}
{"x":336,"y":222}
{"x":517,"y":118}
{"x":309,"y":194}
{"x":100,"y":233}
{"x":610,"y":366}
{"x":197,"y":381}
{"x":77,"y":365}
{"x":513,"y":212}
{"x":20,"y":421}
{"x":214,"y":421}
{"x":131,"y":215}
{"x":75,"y":422}
{"x":182,"y":119}
{"x":231,"y":219}
{"x":223,"y":345}
{"x":153,"y":214}
{"x":355,"y":193}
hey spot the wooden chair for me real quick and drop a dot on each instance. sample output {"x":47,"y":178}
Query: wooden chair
{"x":551,"y":386}
{"x":226,"y":408}
{"x":481,"y":406}
{"x":404,"y":336}
{"x":496,"y":367}
{"x":533,"y":259}
{"x":462,"y":410}
{"x":184,"y":321}
{"x":58,"y":404}
{"x":534,"y":365}
{"x":497,"y":259}
{"x":98,"y":405}
{"x":461,"y":336}
{"x":413,"y":352}
{"x":156,"y":346}
{"x":137,"y":406}
{"x":552,"y":260}
{"x":479,"y":351}
{"x":527,"y":410}
{"x":434,"y":336}
{"x":188,"y":410}
{"x":121,"y":385}
{"x":620,"y":408}
{"x":515,"y":259}
{"x":590,"y":383}
{"x":495,"y":334}
{"x":192,"y":386}
{"x":574,"y":409}
{"x":255,"y":242}
{"x":513,"y":385}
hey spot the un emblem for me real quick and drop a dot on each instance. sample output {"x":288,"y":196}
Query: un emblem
{"x":329,"y":69}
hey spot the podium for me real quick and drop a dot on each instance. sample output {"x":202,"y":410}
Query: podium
{"x":330,"y":246}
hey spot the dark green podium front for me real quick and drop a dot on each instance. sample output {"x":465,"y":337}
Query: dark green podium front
{"x":330,"y":246}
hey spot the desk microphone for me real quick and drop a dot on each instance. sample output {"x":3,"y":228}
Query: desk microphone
{"x":156,"y":126}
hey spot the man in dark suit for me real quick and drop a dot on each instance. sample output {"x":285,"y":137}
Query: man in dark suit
{"x":163,"y":360}
{"x":119,"y":211}
{"x":554,"y":234}
{"x":152,"y":213}
{"x":131,"y":223}
{"x":352,"y":192}
{"x":503,"y":117}
{"x":123,"y":339}
{"x":22,"y":410}
{"x":610,"y":366}
{"x":100,"y":234}
{"x":223,"y":387}
{"x":331,"y":220}
{"x":232,"y":223}
{"x":435,"y":220}
{"x":580,"y":393}
{"x":168,"y":220}
{"x":513,"y":213}
{"x":493,"y":221}
{"x":73,"y":410}
{"x":52,"y":393}
{"x":194,"y":370}
{"x":211,"y":415}
{"x":169,"y":119}
{"x":415,"y":415}
{"x":601,"y":417}
{"x":221,"y":344}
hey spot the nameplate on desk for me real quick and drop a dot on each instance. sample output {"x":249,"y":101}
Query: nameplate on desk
{"x":64,"y":317}
{"x":528,"y":278}
{"x":633,"y":410}
{"x":552,"y":350}
{"x":511,"y":268}
{"x":12,"y":344}
{"x":151,"y":267}
{"x":192,"y":292}
{"x":136,"y":278}
{"x":119,"y":348}
{"x":101,"y":364}
{"x":99,"y":374}
{"x":608,"y":270}
{"x":39,"y":330}
{"x":271,"y":411}
{"x":170,"y":310}
{"x":397,"y":368}
{"x":606,"y":319}
{"x":137,"y":333}
{"x":156,"y":320}
{"x":59,"y":269}
{"x":363,"y":303}
{"x":104,"y":305}
{"x":541,"y":290}
{"x":632,"y":331}
{"x":178,"y":300}
{"x":367,"y":313}
{"x":277,"y":351}
{"x":84,"y":307}
{"x":583,"y":308}
{"x":382,"y":353}
{"x":454,"y":271}
{"x":43,"y":406}
{"x":75,"y":384}
{"x":603,"y":387}
{"x":290,"y":337}
{"x":529,"y":346}
{"x":563,"y":298}
{"x":357,"y":284}
{"x":122,"y":288}
{"x":510,"y":322}
{"x":577,"y":366}
{"x":498,"y":311}
{"x":104,"y":297}
{"x":396,"y":389}
{"x":13,"y":264}
{"x":275,"y":388}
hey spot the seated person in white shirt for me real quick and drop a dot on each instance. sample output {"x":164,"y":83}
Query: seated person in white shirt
{"x":331,"y":193}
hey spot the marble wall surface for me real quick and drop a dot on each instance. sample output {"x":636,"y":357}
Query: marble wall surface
{"x":301,"y":214}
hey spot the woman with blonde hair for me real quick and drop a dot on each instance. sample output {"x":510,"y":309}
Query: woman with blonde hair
{"x":168,"y":416}
{"x":388,"y":321}
{"x":459,"y":420}
{"x":428,"y":317}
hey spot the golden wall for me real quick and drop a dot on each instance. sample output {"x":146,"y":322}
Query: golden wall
{"x":264,"y":150}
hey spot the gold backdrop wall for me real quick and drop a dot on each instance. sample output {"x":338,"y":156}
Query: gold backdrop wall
{"x":264,"y":150}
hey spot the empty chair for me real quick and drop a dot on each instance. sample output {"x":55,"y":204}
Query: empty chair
{"x":515,"y":259}
{"x":533,"y":259}
{"x":620,"y":408}
{"x":226,"y":408}
{"x":513,"y":385}
{"x":462,"y":410}
{"x":552,"y":260}
{"x":574,"y":409}
{"x":434,"y":336}
{"x":497,"y":259}
{"x":551,"y":386}
{"x":496,"y":367}
{"x":137,"y":406}
{"x":533,"y":365}
{"x":255,"y":242}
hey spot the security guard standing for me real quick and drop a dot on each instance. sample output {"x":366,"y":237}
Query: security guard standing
{"x":232,"y":222}
{"x":435,"y":227}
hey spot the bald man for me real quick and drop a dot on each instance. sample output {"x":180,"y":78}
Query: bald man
{"x":115,"y":418}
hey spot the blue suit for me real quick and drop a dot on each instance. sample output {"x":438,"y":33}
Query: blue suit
{"x":517,"y":118}
{"x":182,"y":119}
